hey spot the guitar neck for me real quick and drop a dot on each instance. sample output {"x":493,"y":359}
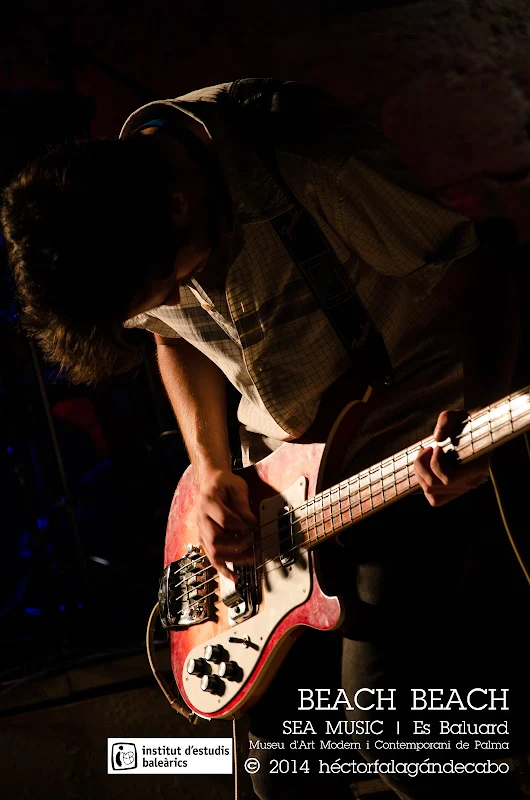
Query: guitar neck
{"x":345,"y":503}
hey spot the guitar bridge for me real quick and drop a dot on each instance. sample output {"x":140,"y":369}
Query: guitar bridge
{"x":185,"y":591}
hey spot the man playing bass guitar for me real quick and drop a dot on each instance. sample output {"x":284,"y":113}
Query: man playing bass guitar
{"x":178,"y":220}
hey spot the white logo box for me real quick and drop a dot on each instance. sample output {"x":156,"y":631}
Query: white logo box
{"x":190,"y":755}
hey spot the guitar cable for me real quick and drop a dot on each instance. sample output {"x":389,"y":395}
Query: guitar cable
{"x":507,"y":527}
{"x":176,"y":702}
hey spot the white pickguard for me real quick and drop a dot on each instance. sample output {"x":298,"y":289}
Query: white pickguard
{"x":282,"y":589}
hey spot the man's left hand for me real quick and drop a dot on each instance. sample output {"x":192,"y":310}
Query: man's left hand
{"x":442,"y":478}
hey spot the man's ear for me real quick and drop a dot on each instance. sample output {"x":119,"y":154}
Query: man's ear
{"x":179,"y":209}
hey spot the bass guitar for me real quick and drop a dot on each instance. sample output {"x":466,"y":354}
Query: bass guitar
{"x":227,"y":640}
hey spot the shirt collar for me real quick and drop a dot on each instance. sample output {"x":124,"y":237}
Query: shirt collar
{"x":257,"y":193}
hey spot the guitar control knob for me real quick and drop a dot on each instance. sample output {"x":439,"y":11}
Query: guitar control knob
{"x":212,"y":684}
{"x":230,"y":670}
{"x":215,"y":653}
{"x":197,"y":666}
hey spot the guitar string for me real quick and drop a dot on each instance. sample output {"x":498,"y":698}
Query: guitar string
{"x":324,"y":496}
{"x":354,"y":504}
{"x":369,"y":473}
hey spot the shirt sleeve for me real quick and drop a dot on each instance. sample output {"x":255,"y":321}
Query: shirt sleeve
{"x":378,"y":210}
{"x":394,"y":230}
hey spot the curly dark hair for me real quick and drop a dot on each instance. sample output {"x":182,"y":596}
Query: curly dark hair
{"x":87,"y":227}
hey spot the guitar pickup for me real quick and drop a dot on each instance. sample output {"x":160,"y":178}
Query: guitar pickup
{"x":286,"y":537}
{"x":240,"y":598}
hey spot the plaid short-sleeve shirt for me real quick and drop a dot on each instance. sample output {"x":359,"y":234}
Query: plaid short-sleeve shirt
{"x":265,"y":330}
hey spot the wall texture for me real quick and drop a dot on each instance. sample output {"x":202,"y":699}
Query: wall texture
{"x":448,"y":78}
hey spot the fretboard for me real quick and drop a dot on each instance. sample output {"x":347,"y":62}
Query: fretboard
{"x":345,"y":503}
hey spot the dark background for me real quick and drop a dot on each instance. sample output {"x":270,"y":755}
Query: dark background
{"x":87,"y":474}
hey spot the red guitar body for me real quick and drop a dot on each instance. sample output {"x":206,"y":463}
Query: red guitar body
{"x":288,"y":598}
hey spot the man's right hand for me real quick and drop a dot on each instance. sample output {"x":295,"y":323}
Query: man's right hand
{"x":225,"y":520}
{"x":197,"y":390}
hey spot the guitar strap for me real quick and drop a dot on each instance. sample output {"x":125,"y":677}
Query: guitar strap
{"x":309,"y":248}
{"x":330,"y":285}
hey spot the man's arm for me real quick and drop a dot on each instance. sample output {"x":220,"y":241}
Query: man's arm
{"x":197,"y":390}
{"x":491,"y":335}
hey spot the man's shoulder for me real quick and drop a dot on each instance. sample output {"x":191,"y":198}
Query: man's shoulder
{"x":279,"y":96}
{"x":302,"y":120}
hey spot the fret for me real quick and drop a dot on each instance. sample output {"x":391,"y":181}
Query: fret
{"x":371,"y":499}
{"x":315,"y":519}
{"x":402,"y":477}
{"x":300,"y":523}
{"x":365,"y":499}
{"x":316,"y":532}
{"x":377,"y":491}
{"x":389,"y":481}
{"x":335,"y":511}
{"x":303,"y":521}
{"x":398,"y":468}
{"x":490,"y":431}
{"x":501,"y":424}
{"x":409,"y":468}
{"x":326,"y":510}
{"x":353,"y":489}
{"x":356,"y":510}
{"x":356,"y":505}
{"x":327,"y":513}
{"x":376,"y":487}
{"x":388,"y":485}
{"x":465,"y":447}
{"x":392,"y":488}
{"x":344,"y":503}
{"x":311,"y":520}
{"x":364,"y":481}
{"x":520,"y":409}
{"x":319,"y":525}
{"x":512,"y":415}
{"x":387,"y":467}
{"x":481,"y":420}
{"x":476,"y":435}
{"x":520,"y":413}
{"x":365,"y":496}
{"x":513,"y":418}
